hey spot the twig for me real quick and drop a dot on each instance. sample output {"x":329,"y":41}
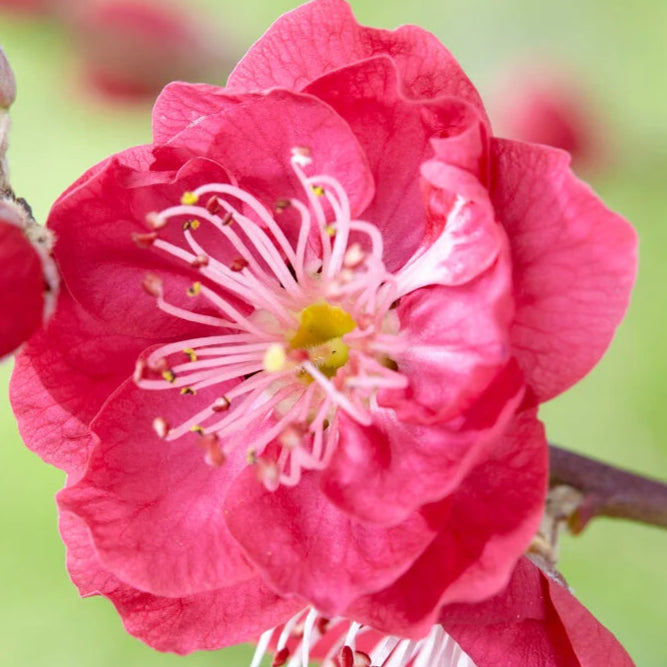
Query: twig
{"x":606,"y":490}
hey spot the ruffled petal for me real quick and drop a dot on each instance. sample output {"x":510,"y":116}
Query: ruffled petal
{"x":322,"y":36}
{"x":304,"y":545}
{"x":61,"y":379}
{"x":370,"y":96}
{"x":534,"y":622}
{"x":154,"y":507}
{"x":201,"y":622}
{"x":493,"y":515}
{"x":574,"y":265}
{"x":425,"y":462}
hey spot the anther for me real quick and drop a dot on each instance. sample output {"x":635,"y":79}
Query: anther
{"x":169,"y":375}
{"x":197,"y":429}
{"x":274,"y":358}
{"x":211,"y":445}
{"x":282,"y":204}
{"x":213,"y":205}
{"x":190,"y":354}
{"x":346,"y":657}
{"x":139,"y":370}
{"x":221,"y":404}
{"x":238,"y":264}
{"x":188,"y":391}
{"x":155,"y":220}
{"x":152,"y":285}
{"x":161,"y":427}
{"x":199,"y":261}
{"x":318,"y":190}
{"x":191,"y":224}
{"x":281,"y":657}
{"x":144,"y":240}
{"x":301,"y":156}
{"x":194,"y":289}
{"x":189,"y":198}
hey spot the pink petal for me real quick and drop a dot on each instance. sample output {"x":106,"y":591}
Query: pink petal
{"x":200,"y":622}
{"x":457,"y":341}
{"x":61,"y":379}
{"x":256,"y":152}
{"x":322,"y":36}
{"x":153,"y":507}
{"x":304,"y":545}
{"x":22,"y":283}
{"x":371,"y":97}
{"x":493,"y":515}
{"x":533,"y":622}
{"x":182,"y":105}
{"x":426,"y":462}
{"x":574,"y":265}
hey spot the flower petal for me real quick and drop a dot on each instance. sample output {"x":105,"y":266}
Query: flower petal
{"x":61,"y":379}
{"x":532,"y":623}
{"x":153,"y":507}
{"x":322,"y":36}
{"x":425,"y":462}
{"x":574,"y":265}
{"x":306,"y":546}
{"x":201,"y":622}
{"x":370,"y":96}
{"x":493,"y":516}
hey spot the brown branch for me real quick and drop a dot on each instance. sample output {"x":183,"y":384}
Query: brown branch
{"x":606,"y":490}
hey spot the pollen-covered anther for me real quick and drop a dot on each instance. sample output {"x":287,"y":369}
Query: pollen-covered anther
{"x":144,"y":240}
{"x":188,"y":391}
{"x":152,"y":285}
{"x":191,"y":224}
{"x":189,"y":199}
{"x":238,"y":264}
{"x":169,"y":375}
{"x":318,"y":190}
{"x":155,"y":221}
{"x":161,"y":427}
{"x":194,"y":289}
{"x":190,"y":354}
{"x":274,"y":358}
{"x":221,"y":404}
{"x":210,"y":443}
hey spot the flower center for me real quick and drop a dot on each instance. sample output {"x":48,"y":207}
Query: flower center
{"x":320,"y":333}
{"x":302,"y":327}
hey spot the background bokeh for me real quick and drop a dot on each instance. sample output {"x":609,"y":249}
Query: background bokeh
{"x":617,"y":52}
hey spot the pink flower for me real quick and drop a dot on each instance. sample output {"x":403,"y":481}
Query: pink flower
{"x":547,"y":107}
{"x":353,"y":300}
{"x":132,"y":48}
{"x":26,"y":293}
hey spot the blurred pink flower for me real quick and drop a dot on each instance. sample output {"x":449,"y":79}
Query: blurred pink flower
{"x":354,"y":299}
{"x":545,"y":107}
{"x":130,"y":49}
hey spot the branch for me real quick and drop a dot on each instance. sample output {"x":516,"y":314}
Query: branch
{"x":606,"y":490}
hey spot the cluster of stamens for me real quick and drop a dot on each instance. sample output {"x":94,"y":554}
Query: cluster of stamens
{"x":297,"y":639}
{"x":301,"y":328}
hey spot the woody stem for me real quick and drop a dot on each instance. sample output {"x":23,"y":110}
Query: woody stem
{"x":607,"y":490}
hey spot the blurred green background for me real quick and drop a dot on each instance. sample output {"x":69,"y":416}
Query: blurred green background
{"x":618,"y":413}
